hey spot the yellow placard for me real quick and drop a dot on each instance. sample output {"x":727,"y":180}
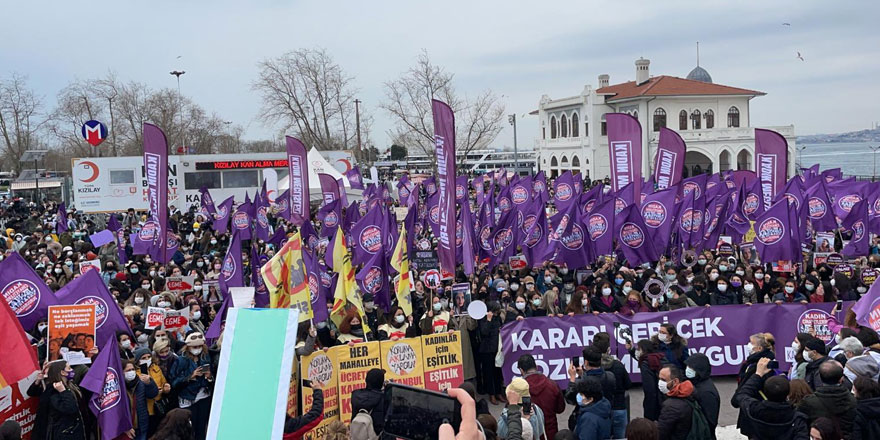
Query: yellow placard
{"x":354,"y":362}
{"x":321,"y":367}
{"x":442,"y":361}
{"x":292,"y":396}
{"x":750,"y":235}
{"x":402,"y":361}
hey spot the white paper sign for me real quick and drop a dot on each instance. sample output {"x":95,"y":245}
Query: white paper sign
{"x":242,"y":297}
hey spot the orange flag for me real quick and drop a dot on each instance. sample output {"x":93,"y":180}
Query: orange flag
{"x":19,"y":359}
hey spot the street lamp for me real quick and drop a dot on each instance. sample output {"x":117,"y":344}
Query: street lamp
{"x":512,"y":120}
{"x":874,"y":149}
{"x":178,"y":73}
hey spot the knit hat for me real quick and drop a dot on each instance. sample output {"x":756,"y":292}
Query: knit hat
{"x":142,"y":351}
{"x":90,"y":255}
{"x":816,"y":344}
{"x":528,"y":279}
{"x":863,"y":366}
{"x":120,"y":276}
{"x":375,"y":379}
{"x":519,"y":386}
{"x":195,"y":339}
{"x":160,"y":345}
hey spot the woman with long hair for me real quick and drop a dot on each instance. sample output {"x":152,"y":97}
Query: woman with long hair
{"x":140,"y":388}
{"x":799,"y":368}
{"x":64,"y":418}
{"x":579,"y":304}
{"x":797,"y":391}
{"x":673,"y":346}
{"x":192,"y":378}
{"x":175,"y":426}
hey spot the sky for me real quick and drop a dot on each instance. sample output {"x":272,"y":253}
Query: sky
{"x":519,"y":49}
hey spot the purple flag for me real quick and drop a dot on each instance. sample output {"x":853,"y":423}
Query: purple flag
{"x":242,"y":217}
{"x":329,"y":188}
{"x":261,"y":294}
{"x":298,"y":181}
{"x":753,"y":203}
{"x":373,"y":279}
{"x":744,"y":177}
{"x":352,"y":215}
{"x":278,"y":237}
{"x":61,"y":220}
{"x":317,"y":290}
{"x":369,"y":235}
{"x":669,"y":161}
{"x":738,"y":221}
{"x":309,"y":236}
{"x":109,"y":402}
{"x":857,"y":222}
{"x":461,"y":189}
{"x":404,"y":191}
{"x":867,"y":308}
{"x":282,"y":205}
{"x":502,"y":239}
{"x":832,"y":175}
{"x":207,"y":201}
{"x":656,"y":213}
{"x":477,"y":183}
{"x":261,"y":217}
{"x":632,"y":235}
{"x":213,"y":332}
{"x":221,"y":219}
{"x":793,"y":193}
{"x":625,"y":150}
{"x":342,"y":194}
{"x":27,"y":295}
{"x":600,"y":224}
{"x":564,"y":193}
{"x":539,"y":187}
{"x":156,"y":173}
{"x":232,"y":272}
{"x":354,"y":178}
{"x":771,"y":162}
{"x":773,"y":234}
{"x":88,"y":288}
{"x":533,"y":239}
{"x":690,"y":220}
{"x":444,"y":142}
{"x":467,"y":238}
{"x":591,"y":198}
{"x":567,"y":238}
{"x":430,"y":186}
{"x":119,"y":234}
{"x":330,"y":216}
{"x":819,"y":210}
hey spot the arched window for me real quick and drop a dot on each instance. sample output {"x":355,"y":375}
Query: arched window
{"x":744,"y":160}
{"x":554,"y":162}
{"x":710,"y":119}
{"x":564,"y":162}
{"x":552,"y":127}
{"x":659,"y":119}
{"x":575,"y":163}
{"x":635,"y":114}
{"x":733,"y":117}
{"x":695,"y":120}
{"x":574,"y":125}
{"x":682,"y":120}
{"x":563,"y":123}
{"x":604,"y":127}
{"x":724,"y":161}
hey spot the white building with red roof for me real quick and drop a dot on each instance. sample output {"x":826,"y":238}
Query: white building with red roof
{"x":713,"y":120}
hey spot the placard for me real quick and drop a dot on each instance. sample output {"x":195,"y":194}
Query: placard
{"x":176,"y":319}
{"x":869,"y":276}
{"x":71,"y":327}
{"x":155,"y":318}
{"x":825,"y":242}
{"x":820,"y":258}
{"x":354,"y":363}
{"x":101,"y":238}
{"x":321,"y":367}
{"x":423,"y":260}
{"x":517,"y":262}
{"x":242,"y":297}
{"x":834,"y":259}
{"x":85,"y":266}
{"x":179,"y":284}
{"x":15,"y":404}
{"x":402,"y":361}
{"x":400,"y":213}
{"x":442,"y":357}
{"x":845,"y":269}
{"x":461,"y":298}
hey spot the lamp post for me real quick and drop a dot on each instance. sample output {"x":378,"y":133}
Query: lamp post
{"x":511,"y":118}
{"x":178,"y":74}
{"x":874,"y":149}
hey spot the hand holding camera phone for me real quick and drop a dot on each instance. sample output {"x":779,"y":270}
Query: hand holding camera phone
{"x":416,"y":414}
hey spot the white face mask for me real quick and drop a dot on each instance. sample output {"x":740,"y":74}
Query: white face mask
{"x":143,"y":338}
{"x":832,"y":282}
{"x":145,"y":286}
{"x":57,"y":270}
{"x":41,"y":327}
{"x":740,"y":272}
{"x":197,"y":288}
{"x":196,"y":351}
{"x":147,"y":362}
{"x":437,"y":307}
{"x":690,"y":279}
{"x":789,"y":290}
{"x":152,"y":273}
{"x":520,"y":306}
{"x":606,"y":291}
{"x":126,"y":344}
{"x":861,"y":289}
{"x":808,"y":355}
{"x":130,"y":375}
{"x":584,"y":302}
{"x":809,"y":287}
{"x":163,"y":304}
{"x":197,"y":315}
{"x":749,"y":347}
{"x":663,"y":337}
{"x":722,"y":287}
{"x":690,"y":373}
{"x":663,"y":387}
{"x":713,"y":276}
{"x":139,"y":300}
{"x":401,"y":318}
{"x":627,"y":289}
{"x":670,"y":277}
{"x":749,"y":287}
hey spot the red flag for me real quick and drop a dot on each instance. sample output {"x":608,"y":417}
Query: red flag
{"x":19,"y":359}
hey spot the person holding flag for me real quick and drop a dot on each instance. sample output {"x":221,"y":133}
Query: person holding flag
{"x":346,"y":288}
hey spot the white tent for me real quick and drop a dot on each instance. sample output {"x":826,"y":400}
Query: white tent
{"x":318,"y":164}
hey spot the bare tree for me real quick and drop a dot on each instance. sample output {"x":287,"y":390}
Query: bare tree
{"x":477,"y":119}
{"x":20,"y":119}
{"x":307,"y":92}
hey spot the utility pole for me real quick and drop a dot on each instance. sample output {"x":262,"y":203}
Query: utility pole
{"x":113,"y":127}
{"x":512,"y":120}
{"x":874,"y":149}
{"x":357,"y":117}
{"x":182,"y":139}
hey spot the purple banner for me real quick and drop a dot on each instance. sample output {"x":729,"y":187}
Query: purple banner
{"x":329,"y":188}
{"x":27,"y":295}
{"x":771,"y":162}
{"x":669,"y":161}
{"x":298,"y":181}
{"x":444,"y":142}
{"x":720,"y":332}
{"x":156,"y":172}
{"x":355,"y":181}
{"x":110,"y":401}
{"x":625,"y":151}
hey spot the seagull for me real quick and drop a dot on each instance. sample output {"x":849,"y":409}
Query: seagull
{"x":179,"y":57}
{"x":786,"y":24}
{"x":799,"y":56}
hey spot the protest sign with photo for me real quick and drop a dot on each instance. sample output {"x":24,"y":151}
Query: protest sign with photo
{"x":461,"y":298}
{"x":71,"y":327}
{"x":517,"y":262}
{"x":155,"y":318}
{"x":175,"y":319}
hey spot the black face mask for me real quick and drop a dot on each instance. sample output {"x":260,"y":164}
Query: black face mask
{"x":699,"y":288}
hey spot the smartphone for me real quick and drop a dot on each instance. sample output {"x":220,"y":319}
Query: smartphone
{"x":576,"y":361}
{"x":143,"y":369}
{"x":306,"y":383}
{"x":527,"y":405}
{"x":416,"y":414}
{"x":839,"y":305}
{"x":773,"y":365}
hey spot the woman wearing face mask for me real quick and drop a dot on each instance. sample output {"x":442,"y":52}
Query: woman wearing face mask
{"x":126,"y":346}
{"x":536,"y":305}
{"x":195,"y":317}
{"x":762,"y":284}
{"x":809,"y":285}
{"x":139,"y":298}
{"x":789,"y":294}
{"x":580,"y":303}
{"x":214,"y":273}
{"x":62,"y":274}
{"x":489,"y":376}
{"x":698,"y":294}
{"x":712,"y":275}
{"x":722,"y":295}
{"x":437,"y":319}
{"x":350,"y":329}
{"x":673,"y":346}
{"x":735,"y":286}
{"x":798,"y":369}
{"x":550,"y":303}
{"x":212,"y":293}
{"x":619,"y":280}
{"x":650,"y":362}
{"x":517,"y":310}
{"x":397,"y":326}
{"x":164,"y":357}
{"x":761,"y":345}
{"x":59,"y":404}
{"x":192,"y":377}
{"x":604,"y":301}
{"x":143,"y":361}
{"x":140,"y":388}
{"x":634,"y":304}
{"x":677,"y":299}
{"x":109,"y":272}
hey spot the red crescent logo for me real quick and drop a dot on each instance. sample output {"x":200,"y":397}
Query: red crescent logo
{"x":269,"y":195}
{"x":346,"y":162}
{"x":93,"y":167}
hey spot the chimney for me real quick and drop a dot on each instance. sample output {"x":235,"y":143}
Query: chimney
{"x":642,"y":73}
{"x":603,"y":80}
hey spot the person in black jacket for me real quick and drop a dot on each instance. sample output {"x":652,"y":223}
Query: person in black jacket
{"x":602,"y":343}
{"x":311,"y":418}
{"x":867,"y":422}
{"x":64,"y":421}
{"x":592,"y":369}
{"x":676,"y":413}
{"x":771,"y":419}
{"x":814,"y":351}
{"x":650,"y":362}
{"x":139,"y":387}
{"x":832,"y":399}
{"x":699,"y":372}
{"x":371,"y":399}
{"x":761,"y":345}
{"x":489,"y":330}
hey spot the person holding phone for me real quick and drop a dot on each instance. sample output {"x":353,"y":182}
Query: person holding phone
{"x":143,"y":359}
{"x":140,"y":388}
{"x":192,"y":378}
{"x":298,"y":426}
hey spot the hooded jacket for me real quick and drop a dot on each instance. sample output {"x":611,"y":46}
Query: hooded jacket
{"x":547,"y":396}
{"x":833,"y":401}
{"x":650,"y":365}
{"x":371,"y":399}
{"x":594,"y":421}
{"x":811,"y":376}
{"x":867,"y":421}
{"x":676,"y":414}
{"x":705,"y":392}
{"x":622,"y":381}
{"x":764,"y":420}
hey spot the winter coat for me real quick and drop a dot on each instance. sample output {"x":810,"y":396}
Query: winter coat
{"x":600,"y":306}
{"x":466,"y":325}
{"x":650,"y":365}
{"x":41,"y":420}
{"x":373,"y":401}
{"x":537,"y":420}
{"x":180,"y":373}
{"x":811,"y":375}
{"x":489,"y":331}
{"x":866,"y":425}
{"x":65,"y":421}
{"x":674,"y":355}
{"x":156,"y":373}
{"x":675,"y":418}
{"x":546,"y":395}
{"x":765,"y":420}
{"x":705,"y":392}
{"x":835,"y":402}
{"x":316,"y":412}
{"x":137,"y":397}
{"x":747,"y":369}
{"x":723,"y":298}
{"x":622,"y":381}
{"x":594,"y":421}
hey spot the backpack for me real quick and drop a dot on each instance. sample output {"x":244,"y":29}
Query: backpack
{"x":362,"y":426}
{"x":699,"y":426}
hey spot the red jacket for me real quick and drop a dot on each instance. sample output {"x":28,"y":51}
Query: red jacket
{"x":546,"y":394}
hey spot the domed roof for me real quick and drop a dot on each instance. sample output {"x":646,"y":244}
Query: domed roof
{"x":700,"y":74}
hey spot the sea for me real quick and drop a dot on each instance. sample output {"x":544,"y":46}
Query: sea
{"x":853,"y":158}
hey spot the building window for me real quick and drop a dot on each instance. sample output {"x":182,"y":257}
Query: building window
{"x":744,"y":160}
{"x":552,"y":127}
{"x":240,"y":179}
{"x":207,"y":179}
{"x":724,"y":161}
{"x":635,"y":114}
{"x":659,"y":119}
{"x":733,"y":117}
{"x":604,"y":127}
{"x":575,"y":163}
{"x":543,"y":132}
{"x":563,"y":123}
{"x":553,"y":162}
{"x":710,"y":119}
{"x":574,"y":125}
{"x":122,"y":177}
{"x":586,"y":129}
{"x":695,"y":120}
{"x":682,"y":120}
{"x":564,"y":162}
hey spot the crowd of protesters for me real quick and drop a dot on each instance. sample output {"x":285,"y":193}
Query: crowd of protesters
{"x":831,"y":392}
